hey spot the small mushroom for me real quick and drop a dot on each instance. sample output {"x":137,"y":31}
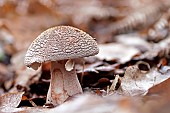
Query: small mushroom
{"x":61,"y":45}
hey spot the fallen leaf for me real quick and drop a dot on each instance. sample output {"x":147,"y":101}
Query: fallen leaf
{"x":157,"y":99}
{"x":162,"y":89}
{"x":9,"y":101}
{"x":115,"y":51}
{"x":134,"y":40}
{"x":137,"y":83}
{"x":88,"y":68}
{"x":160,"y":49}
{"x":95,"y":104}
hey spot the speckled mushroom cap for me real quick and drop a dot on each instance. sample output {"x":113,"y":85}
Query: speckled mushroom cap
{"x":59,"y":43}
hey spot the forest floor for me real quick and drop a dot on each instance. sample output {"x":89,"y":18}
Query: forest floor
{"x":130,"y":74}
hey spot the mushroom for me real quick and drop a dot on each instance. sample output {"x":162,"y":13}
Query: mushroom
{"x":61,"y":45}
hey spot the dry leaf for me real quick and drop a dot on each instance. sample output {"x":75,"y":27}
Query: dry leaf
{"x":134,"y":40}
{"x":115,"y":51}
{"x":136,"y":82}
{"x":160,"y":49}
{"x":157,"y":100}
{"x":95,"y":104}
{"x":89,"y":68}
{"x":20,"y":23}
{"x":9,"y":101}
{"x":88,"y":103}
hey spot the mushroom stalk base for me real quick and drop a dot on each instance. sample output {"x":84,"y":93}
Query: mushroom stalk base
{"x":63,"y":85}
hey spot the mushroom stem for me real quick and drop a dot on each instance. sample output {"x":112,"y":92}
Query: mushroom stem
{"x":63,"y":83}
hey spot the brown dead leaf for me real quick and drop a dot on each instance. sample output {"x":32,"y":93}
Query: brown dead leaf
{"x":87,"y":103}
{"x":162,"y":89}
{"x":160,"y":49}
{"x":94,"y":104}
{"x":9,"y":101}
{"x":134,"y":40}
{"x":89,"y":68}
{"x":98,"y":67}
{"x":157,"y":100}
{"x":116,"y":51}
{"x":25,"y":19}
{"x":136,"y":82}
{"x":112,"y":104}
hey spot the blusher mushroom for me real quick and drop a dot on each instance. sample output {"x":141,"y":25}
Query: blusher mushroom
{"x":61,"y":45}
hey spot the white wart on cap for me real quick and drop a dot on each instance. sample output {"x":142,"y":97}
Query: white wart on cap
{"x":60,"y":43}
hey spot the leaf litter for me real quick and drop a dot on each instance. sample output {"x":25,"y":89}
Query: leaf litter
{"x":129,"y":75}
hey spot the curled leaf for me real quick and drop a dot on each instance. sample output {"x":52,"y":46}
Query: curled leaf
{"x":135,"y":82}
{"x":9,"y":102}
{"x":10,"y":99}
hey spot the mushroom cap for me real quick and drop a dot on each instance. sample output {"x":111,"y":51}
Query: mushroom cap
{"x":60,"y":43}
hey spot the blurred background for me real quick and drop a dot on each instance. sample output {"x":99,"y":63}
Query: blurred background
{"x":23,"y":20}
